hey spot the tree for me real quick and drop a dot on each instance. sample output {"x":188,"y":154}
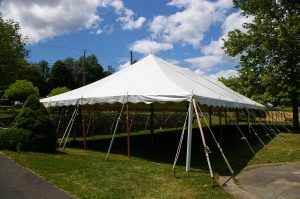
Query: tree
{"x":71,"y":63}
{"x":269,"y":49}
{"x":12,"y":53}
{"x":93,"y":69}
{"x":44,"y":73}
{"x":20,"y":90}
{"x":58,"y":90}
{"x":61,"y":75}
{"x":110,"y":70}
{"x":35,"y":118}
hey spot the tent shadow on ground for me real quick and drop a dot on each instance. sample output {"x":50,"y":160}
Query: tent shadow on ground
{"x":165,"y":144}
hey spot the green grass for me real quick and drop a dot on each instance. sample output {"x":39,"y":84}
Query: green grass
{"x":285,"y":148}
{"x":87,"y":174}
{"x":148,"y":174}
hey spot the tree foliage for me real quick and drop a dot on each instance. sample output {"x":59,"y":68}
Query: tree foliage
{"x":20,"y":90}
{"x":58,"y":90}
{"x":269,"y":66}
{"x":93,"y":70}
{"x":12,"y":53}
{"x":61,"y":75}
{"x":35,"y":118}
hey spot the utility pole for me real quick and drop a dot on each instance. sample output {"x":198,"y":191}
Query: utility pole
{"x":131,"y":58}
{"x":83,"y":69}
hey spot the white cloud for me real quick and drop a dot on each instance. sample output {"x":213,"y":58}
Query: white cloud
{"x":173,"y":61}
{"x":235,"y":21}
{"x":128,"y":23}
{"x":213,"y":54}
{"x":204,"y":62}
{"x":189,"y":25}
{"x":122,"y":66}
{"x":147,"y":46}
{"x":224,"y":73}
{"x":40,"y":20}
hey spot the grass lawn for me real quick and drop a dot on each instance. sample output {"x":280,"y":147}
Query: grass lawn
{"x":87,"y":174}
{"x":148,"y":174}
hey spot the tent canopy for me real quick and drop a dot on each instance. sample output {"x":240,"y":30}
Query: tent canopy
{"x":153,"y":80}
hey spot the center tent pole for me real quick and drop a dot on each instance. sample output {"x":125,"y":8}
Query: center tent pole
{"x":189,"y":137}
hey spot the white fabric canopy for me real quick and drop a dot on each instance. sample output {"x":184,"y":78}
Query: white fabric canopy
{"x":153,"y":80}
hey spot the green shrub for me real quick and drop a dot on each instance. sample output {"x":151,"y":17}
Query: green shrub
{"x":34,"y":117}
{"x":20,"y":90}
{"x":58,"y":90}
{"x":14,"y":139}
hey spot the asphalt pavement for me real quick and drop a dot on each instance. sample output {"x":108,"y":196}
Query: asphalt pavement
{"x":17,"y":182}
{"x":267,"y":182}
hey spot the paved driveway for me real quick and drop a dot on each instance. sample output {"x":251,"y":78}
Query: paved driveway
{"x":19,"y":183}
{"x":268,"y":182}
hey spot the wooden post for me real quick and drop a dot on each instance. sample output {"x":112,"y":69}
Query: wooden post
{"x":209,"y":111}
{"x":237,"y":130}
{"x":151,"y":122}
{"x":220,"y":125}
{"x":127,"y":129}
{"x":83,"y":128}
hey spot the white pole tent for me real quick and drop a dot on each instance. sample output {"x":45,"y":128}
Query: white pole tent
{"x":155,"y":81}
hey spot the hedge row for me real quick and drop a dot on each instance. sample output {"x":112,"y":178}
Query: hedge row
{"x":14,"y":139}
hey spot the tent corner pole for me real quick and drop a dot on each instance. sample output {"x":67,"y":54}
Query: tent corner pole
{"x":189,"y":137}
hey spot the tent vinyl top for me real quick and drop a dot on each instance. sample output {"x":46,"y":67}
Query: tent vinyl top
{"x":153,"y":80}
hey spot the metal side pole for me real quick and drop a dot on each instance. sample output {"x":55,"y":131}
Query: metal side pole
{"x":206,"y":149}
{"x":267,"y":134}
{"x":69,"y":131}
{"x":265,"y":125}
{"x":285,"y":121}
{"x":250,"y":127}
{"x":115,"y":130}
{"x":244,"y":137}
{"x":189,"y":138}
{"x":71,"y":120}
{"x":180,"y":144}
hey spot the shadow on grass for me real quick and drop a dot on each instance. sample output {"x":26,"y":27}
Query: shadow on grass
{"x":165,"y":144}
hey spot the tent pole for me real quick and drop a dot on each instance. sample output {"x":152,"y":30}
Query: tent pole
{"x":209,"y":110}
{"x":206,"y":148}
{"x":226,"y":122}
{"x":83,"y":127}
{"x":127,"y":129}
{"x":249,"y":127}
{"x":237,"y":130}
{"x":151,"y":123}
{"x":189,"y":138}
{"x":220,"y":125}
{"x":93,"y":121}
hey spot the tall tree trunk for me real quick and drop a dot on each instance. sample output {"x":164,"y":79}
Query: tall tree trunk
{"x":295,"y":109}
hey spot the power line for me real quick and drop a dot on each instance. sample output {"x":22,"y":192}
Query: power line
{"x":58,"y":46}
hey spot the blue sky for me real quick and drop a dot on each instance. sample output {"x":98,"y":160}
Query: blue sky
{"x":185,"y":32}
